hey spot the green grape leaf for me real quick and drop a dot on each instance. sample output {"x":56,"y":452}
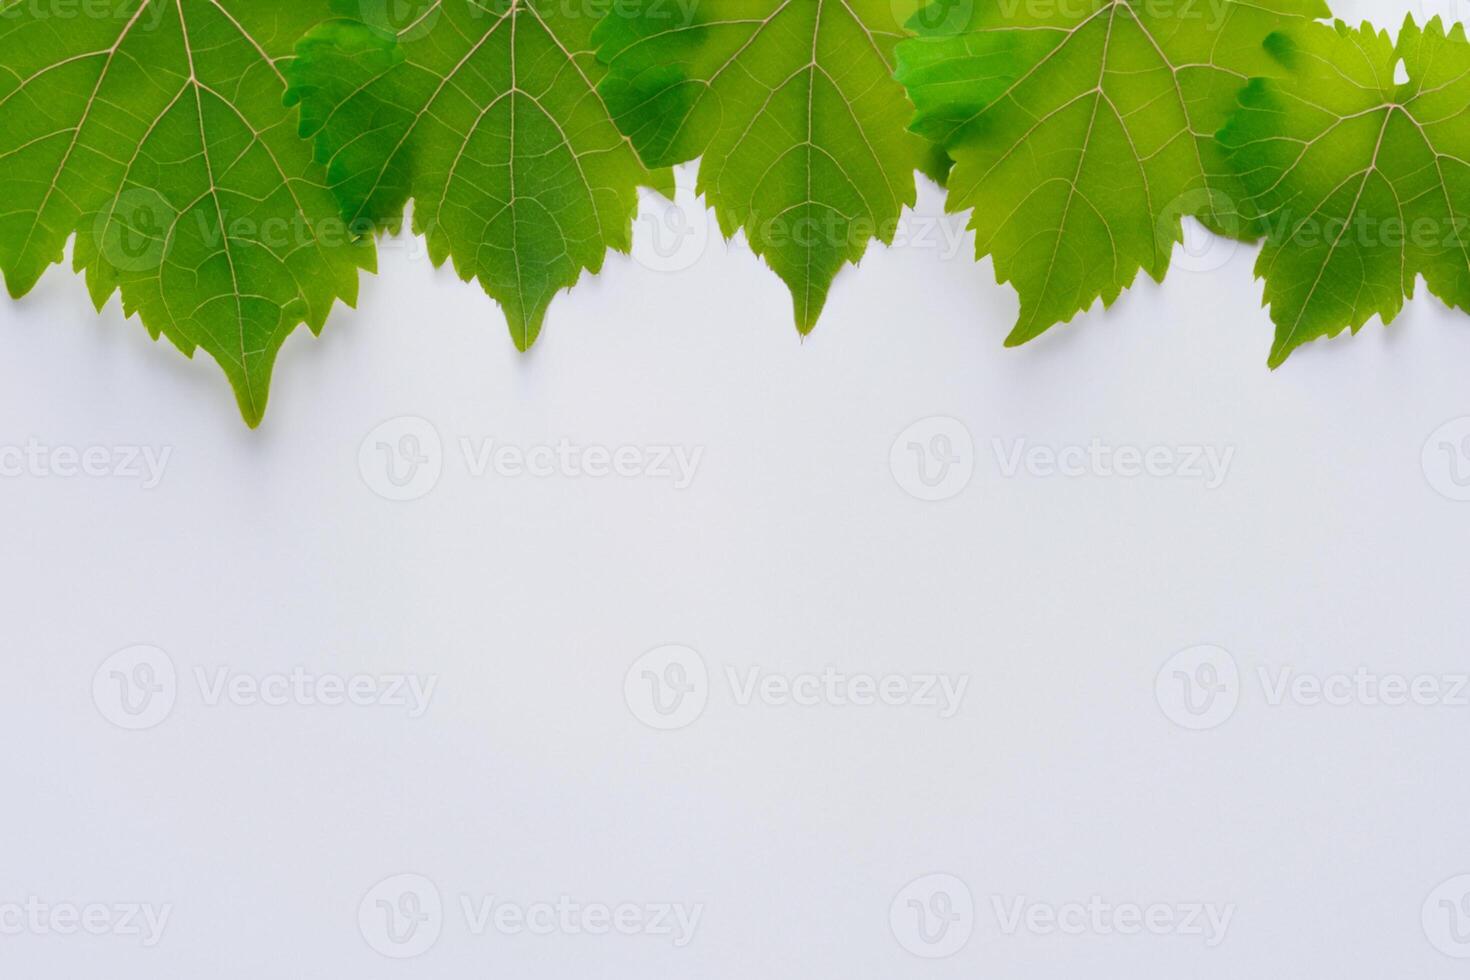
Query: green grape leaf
{"x":485,"y":113}
{"x":792,"y":106}
{"x":1084,"y":131}
{"x":1365,"y":179}
{"x":155,"y":132}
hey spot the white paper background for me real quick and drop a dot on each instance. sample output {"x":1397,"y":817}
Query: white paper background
{"x":1328,"y":547}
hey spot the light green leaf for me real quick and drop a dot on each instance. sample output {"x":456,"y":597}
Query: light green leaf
{"x":487,"y":115}
{"x":1365,"y":180}
{"x":792,"y":107}
{"x":1082,"y":132}
{"x":154,"y":130}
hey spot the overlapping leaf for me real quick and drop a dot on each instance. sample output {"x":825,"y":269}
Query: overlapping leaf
{"x":1365,"y":180}
{"x":1082,"y":133}
{"x":154,"y":131}
{"x":486,"y":113}
{"x":159,"y":135}
{"x":792,"y":106}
